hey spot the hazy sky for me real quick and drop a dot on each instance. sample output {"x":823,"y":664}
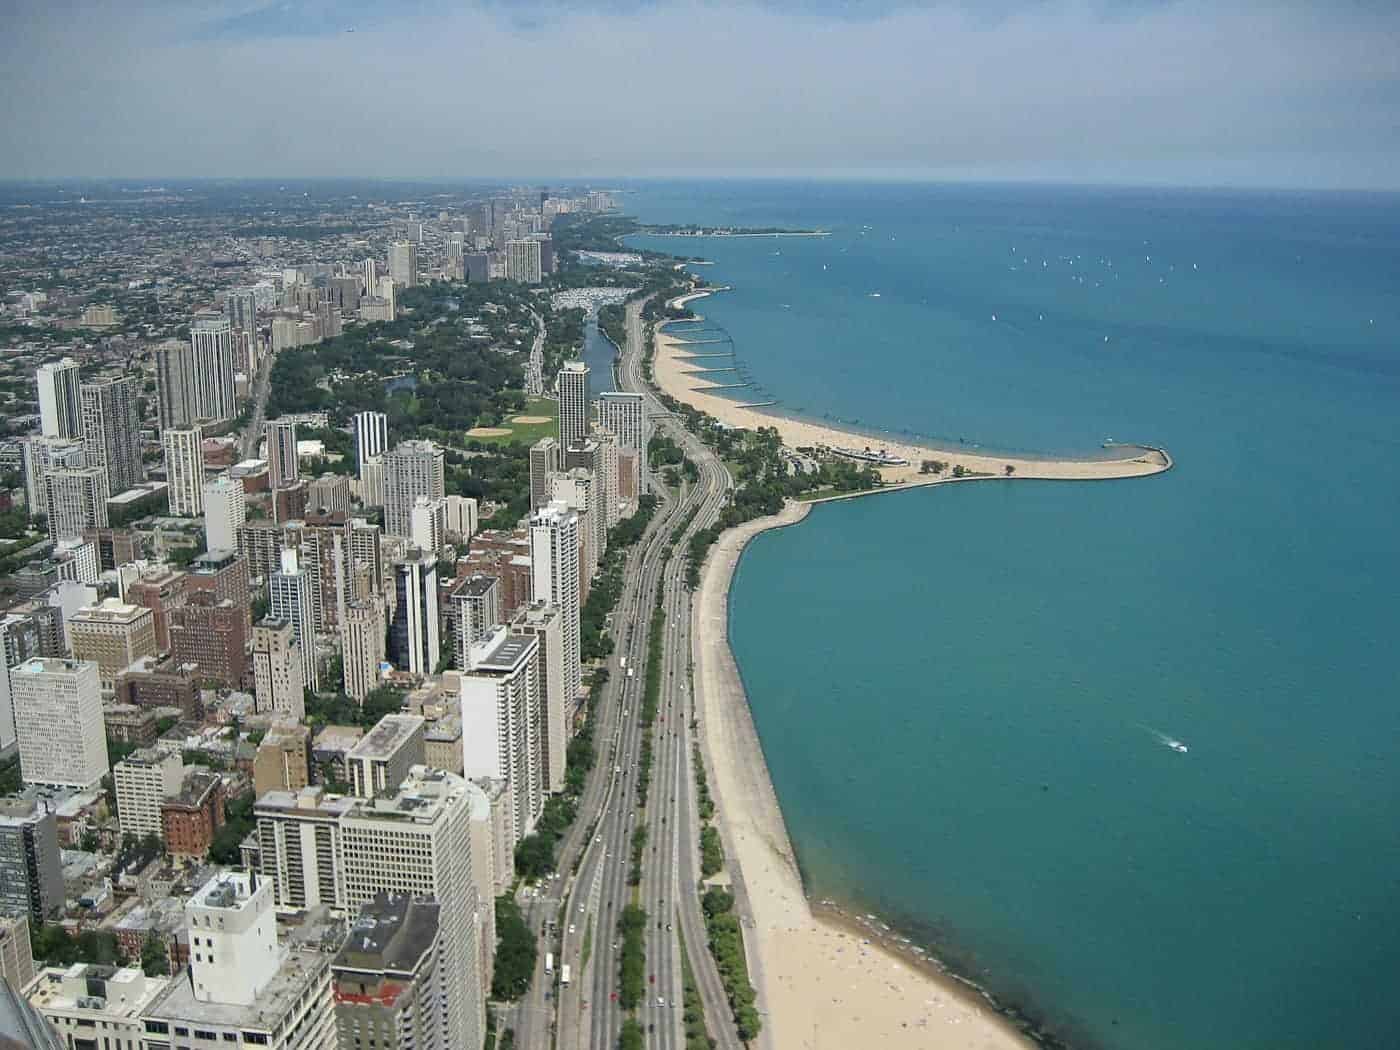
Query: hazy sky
{"x":1282,"y":93}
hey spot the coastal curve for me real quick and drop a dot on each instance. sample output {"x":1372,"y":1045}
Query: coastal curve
{"x":823,"y":980}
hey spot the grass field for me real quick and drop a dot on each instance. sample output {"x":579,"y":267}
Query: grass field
{"x":529,"y":433}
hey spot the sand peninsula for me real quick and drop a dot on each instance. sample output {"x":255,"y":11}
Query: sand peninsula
{"x":826,"y":979}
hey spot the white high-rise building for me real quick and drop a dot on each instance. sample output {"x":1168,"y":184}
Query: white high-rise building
{"x":233,"y":945}
{"x":414,"y":642}
{"x":289,"y":594}
{"x":411,"y":469}
{"x":112,"y":430}
{"x":545,"y":461}
{"x":369,"y":276}
{"x":428,"y":523}
{"x":362,"y":646}
{"x":142,"y":781}
{"x":418,"y":842}
{"x":175,"y":386}
{"x":403,"y":263}
{"x":184,"y":469}
{"x":60,"y":409}
{"x":76,"y":499}
{"x":546,"y":623}
{"x":58,"y":721}
{"x":577,"y":490}
{"x":461,"y":517}
{"x":624,"y":415}
{"x":371,"y":482}
{"x":371,"y":437}
{"x":573,"y":403}
{"x":211,"y":337}
{"x":554,"y":578}
{"x":389,"y":292}
{"x":523,"y":261}
{"x":476,"y":605}
{"x":502,"y":720}
{"x":225,"y":508}
{"x":41,"y":455}
{"x":281,"y":452}
{"x":278,"y":670}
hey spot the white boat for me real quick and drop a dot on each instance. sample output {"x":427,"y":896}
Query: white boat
{"x":1178,"y":747}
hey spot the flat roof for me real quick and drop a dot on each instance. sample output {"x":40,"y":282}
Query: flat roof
{"x":387,"y":736}
{"x":507,"y":654}
{"x":299,"y":970}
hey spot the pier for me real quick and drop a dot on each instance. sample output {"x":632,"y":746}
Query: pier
{"x":703,"y":342}
{"x":696,"y":357}
{"x":723,"y":386}
{"x":707,"y":371}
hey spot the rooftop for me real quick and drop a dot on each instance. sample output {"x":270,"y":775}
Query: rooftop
{"x":387,"y":736}
{"x":502,"y":652}
{"x":300,"y":970}
{"x":391,"y":933}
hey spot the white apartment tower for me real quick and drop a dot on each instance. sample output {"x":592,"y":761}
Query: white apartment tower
{"x":546,"y":623}
{"x":477,"y":611}
{"x":40,"y":455}
{"x":578,"y":490}
{"x":371,"y":437}
{"x":233,"y":939}
{"x":523,"y":261}
{"x":175,"y":386}
{"x":411,"y":469}
{"x":143,"y":780}
{"x":225,"y":508}
{"x":403,"y":263}
{"x":58,"y":721}
{"x":184,"y":469}
{"x":428,"y":523}
{"x":281,"y":452}
{"x":623,"y":414}
{"x":211,"y":338}
{"x":60,"y":410}
{"x":289,"y":595}
{"x":278,"y":670}
{"x":112,"y":430}
{"x":545,"y":460}
{"x":369,"y":276}
{"x":418,"y":842}
{"x":502,"y":724}
{"x":573,"y":403}
{"x":76,"y":499}
{"x":362,"y":645}
{"x":554,"y":578}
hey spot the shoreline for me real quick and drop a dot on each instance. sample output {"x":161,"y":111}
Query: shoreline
{"x":810,"y":962}
{"x":670,"y":360}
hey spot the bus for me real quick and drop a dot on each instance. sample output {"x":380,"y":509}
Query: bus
{"x":564,"y":974}
{"x":549,"y":963}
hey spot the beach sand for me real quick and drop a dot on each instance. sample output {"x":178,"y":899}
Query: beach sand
{"x":822,"y":982}
{"x":671,"y":363}
{"x":531,"y":419}
{"x":488,"y":432}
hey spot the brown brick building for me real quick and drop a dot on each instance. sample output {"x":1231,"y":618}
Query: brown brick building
{"x":130,"y":724}
{"x":212,"y":634}
{"x":163,"y":686}
{"x":160,"y":592}
{"x":190,"y":819}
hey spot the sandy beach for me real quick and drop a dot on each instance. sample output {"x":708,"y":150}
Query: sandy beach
{"x":821,"y":983}
{"x":673,"y":361}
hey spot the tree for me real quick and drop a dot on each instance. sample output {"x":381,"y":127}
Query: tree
{"x":1010,"y":470}
{"x":515,"y":951}
{"x":155,"y":960}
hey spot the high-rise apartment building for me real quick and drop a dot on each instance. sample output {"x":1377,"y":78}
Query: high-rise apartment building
{"x":113,"y":635}
{"x":278,"y":670}
{"x":624,"y":415}
{"x":184,"y":469}
{"x":546,"y":623}
{"x":390,"y":978}
{"x":369,"y":276}
{"x":577,"y":490}
{"x":418,"y":842}
{"x":143,"y":781}
{"x":225,"y":508}
{"x":283,"y":759}
{"x":175,"y":385}
{"x":211,"y":339}
{"x":414,"y":643}
{"x":40,"y":455}
{"x":476,"y":611}
{"x":545,"y":461}
{"x":76,"y":500}
{"x":362,"y":645}
{"x":112,"y":430}
{"x":281,"y":452}
{"x":502,"y":726}
{"x":211,"y":634}
{"x":371,"y":437}
{"x":16,"y":950}
{"x":428,"y":523}
{"x":573,"y":403}
{"x":290,"y":599}
{"x":523,"y":261}
{"x":379,"y":762}
{"x":554,"y":578}
{"x":300,"y":851}
{"x":60,"y":407}
{"x":31,"y":874}
{"x":403,"y":263}
{"x":462,"y":517}
{"x":241,"y":308}
{"x":58,"y":721}
{"x":411,"y":469}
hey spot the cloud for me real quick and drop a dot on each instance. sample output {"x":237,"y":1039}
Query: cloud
{"x":1191,"y":91}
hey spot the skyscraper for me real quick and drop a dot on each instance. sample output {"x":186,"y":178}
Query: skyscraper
{"x":414,"y":642}
{"x":289,"y":593}
{"x":60,"y":409}
{"x":278,"y":671}
{"x":523,"y":261}
{"x":281,"y":452}
{"x":31,"y":872}
{"x":58,"y":719}
{"x":411,"y":469}
{"x":502,"y":728}
{"x":184,"y":469}
{"x":225,"y":508}
{"x":371,"y":437}
{"x":362,"y":645}
{"x":175,"y":384}
{"x":554,"y":578}
{"x":241,"y":308}
{"x":40,"y":455}
{"x":544,"y":461}
{"x":573,"y":403}
{"x":211,"y":337}
{"x":624,"y":415}
{"x":428,"y":523}
{"x":112,"y":430}
{"x":369,"y":276}
{"x":476,"y":606}
{"x":545,"y":622}
{"x":403,"y":263}
{"x":76,"y":499}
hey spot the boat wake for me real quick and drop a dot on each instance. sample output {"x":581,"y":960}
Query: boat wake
{"x":1166,"y":741}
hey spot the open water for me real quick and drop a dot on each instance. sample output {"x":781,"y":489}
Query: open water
{"x":965,"y":693}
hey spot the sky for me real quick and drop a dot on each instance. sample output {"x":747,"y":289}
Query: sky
{"x":1287,"y":93}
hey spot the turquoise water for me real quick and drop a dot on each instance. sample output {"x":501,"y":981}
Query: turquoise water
{"x":963,"y":692}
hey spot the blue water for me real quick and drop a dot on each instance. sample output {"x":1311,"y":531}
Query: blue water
{"x":598,"y":355}
{"x":960,"y":690}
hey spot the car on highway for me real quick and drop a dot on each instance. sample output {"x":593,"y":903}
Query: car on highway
{"x":660,"y":1001}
